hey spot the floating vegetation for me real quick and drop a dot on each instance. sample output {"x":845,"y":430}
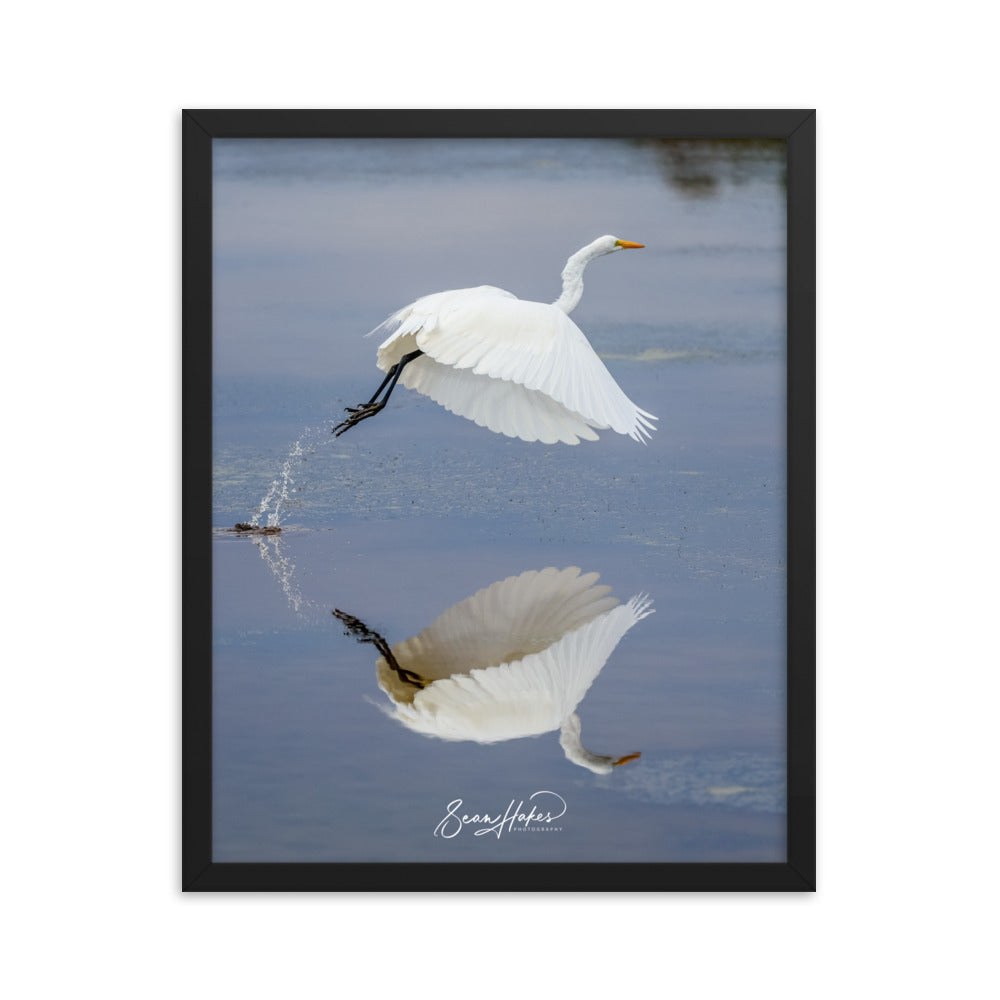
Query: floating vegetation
{"x":246,"y":528}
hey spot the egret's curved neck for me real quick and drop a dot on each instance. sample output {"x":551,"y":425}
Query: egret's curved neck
{"x":569,"y":740}
{"x":572,"y":277}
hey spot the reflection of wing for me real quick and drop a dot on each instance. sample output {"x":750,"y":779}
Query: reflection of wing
{"x":499,"y":624}
{"x":523,"y":698}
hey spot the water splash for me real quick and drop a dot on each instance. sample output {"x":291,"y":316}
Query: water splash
{"x":281,"y":489}
{"x":283,"y":569}
{"x":281,"y":494}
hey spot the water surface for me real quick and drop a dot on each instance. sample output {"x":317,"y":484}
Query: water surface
{"x":414,"y":511}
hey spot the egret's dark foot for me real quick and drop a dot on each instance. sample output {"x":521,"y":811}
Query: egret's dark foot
{"x":361,"y":632}
{"x":357,"y":414}
{"x":365,"y":410}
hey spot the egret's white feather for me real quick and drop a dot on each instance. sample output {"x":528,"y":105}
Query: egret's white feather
{"x":501,"y":623}
{"x":513,"y":660}
{"x":527,"y":345}
{"x":530,"y":371}
{"x":504,"y":407}
{"x":526,"y":697}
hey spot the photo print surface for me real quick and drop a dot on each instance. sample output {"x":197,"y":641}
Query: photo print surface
{"x":446,"y":633}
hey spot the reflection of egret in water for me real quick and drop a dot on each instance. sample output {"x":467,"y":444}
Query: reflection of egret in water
{"x":513,"y":660}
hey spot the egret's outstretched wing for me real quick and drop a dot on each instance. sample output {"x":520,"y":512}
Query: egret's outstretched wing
{"x":530,"y":696}
{"x":502,"y":407}
{"x":423,"y":315}
{"x":498,"y":624}
{"x":488,"y":332}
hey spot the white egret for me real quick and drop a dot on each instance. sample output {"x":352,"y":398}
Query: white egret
{"x":519,"y":368}
{"x":513,"y":660}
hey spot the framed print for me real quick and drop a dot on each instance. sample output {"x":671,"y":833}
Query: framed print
{"x":517,"y":593}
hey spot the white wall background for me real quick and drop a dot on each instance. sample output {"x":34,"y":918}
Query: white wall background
{"x":908,"y":551}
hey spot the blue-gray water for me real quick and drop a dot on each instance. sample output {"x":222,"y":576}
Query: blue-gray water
{"x":415,"y":510}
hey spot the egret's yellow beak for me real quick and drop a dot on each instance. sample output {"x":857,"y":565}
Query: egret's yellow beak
{"x":626,"y":245}
{"x":631,"y":756}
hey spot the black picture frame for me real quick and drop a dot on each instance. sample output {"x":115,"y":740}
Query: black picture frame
{"x":199,"y":872}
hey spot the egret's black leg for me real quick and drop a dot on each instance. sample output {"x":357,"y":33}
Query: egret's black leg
{"x":392,"y":372}
{"x":363,"y":633}
{"x":369,"y":409}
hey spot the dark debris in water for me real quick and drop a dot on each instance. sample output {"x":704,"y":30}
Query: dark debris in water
{"x":245,"y":528}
